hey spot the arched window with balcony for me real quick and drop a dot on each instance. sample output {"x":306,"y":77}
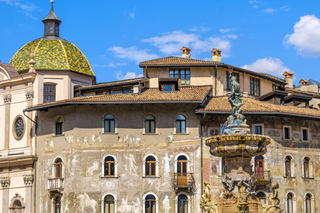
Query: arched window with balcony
{"x":182,"y":167}
{"x":150,"y":124}
{"x":109,"y":204}
{"x":109,"y":123}
{"x":290,"y":203}
{"x":181,"y":124}
{"x":58,"y":168}
{"x":306,"y":167}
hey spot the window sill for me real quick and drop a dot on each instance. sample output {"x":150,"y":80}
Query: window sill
{"x":308,"y":178}
{"x":150,"y":134}
{"x":307,"y":141}
{"x":181,"y":133}
{"x":150,"y":176}
{"x":111,"y":177}
{"x":289,"y":177}
{"x":56,"y":136}
{"x":109,"y":133}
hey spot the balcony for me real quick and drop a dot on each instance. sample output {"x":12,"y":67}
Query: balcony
{"x":263,"y":179}
{"x":183,"y":181}
{"x":55,"y":184}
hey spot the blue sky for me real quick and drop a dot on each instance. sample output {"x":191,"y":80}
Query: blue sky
{"x":264,"y":36}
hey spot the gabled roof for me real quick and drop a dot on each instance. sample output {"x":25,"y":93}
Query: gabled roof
{"x":221,"y":105}
{"x":173,"y":61}
{"x":195,"y":95}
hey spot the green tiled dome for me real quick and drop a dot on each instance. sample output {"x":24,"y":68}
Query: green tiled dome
{"x":52,"y":54}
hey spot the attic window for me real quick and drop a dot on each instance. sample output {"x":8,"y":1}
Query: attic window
{"x":167,"y":87}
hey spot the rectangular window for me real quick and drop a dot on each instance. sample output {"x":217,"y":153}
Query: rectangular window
{"x":168,"y":88}
{"x":304,"y":134}
{"x":286,"y":133}
{"x":274,"y":87}
{"x":182,"y":74}
{"x":228,"y":87}
{"x":258,"y":130}
{"x":254,"y":86}
{"x":49,"y":93}
{"x":58,"y":128}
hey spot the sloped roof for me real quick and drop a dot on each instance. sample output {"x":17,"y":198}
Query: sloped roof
{"x":113,"y":83}
{"x":173,"y":61}
{"x":222,"y":105}
{"x":10,"y":70}
{"x":196,"y":94}
{"x":312,"y":81}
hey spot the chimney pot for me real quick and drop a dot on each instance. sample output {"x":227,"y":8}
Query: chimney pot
{"x":216,"y":55}
{"x":185,"y":52}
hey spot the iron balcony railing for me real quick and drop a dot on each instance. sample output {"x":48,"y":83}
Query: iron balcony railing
{"x":262,"y":177}
{"x":55,"y":184}
{"x":183,"y":180}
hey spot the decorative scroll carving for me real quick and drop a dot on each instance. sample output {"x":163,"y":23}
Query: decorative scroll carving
{"x":5,"y":182}
{"x":28,"y":180}
{"x":29,"y":94}
{"x":7,"y":98}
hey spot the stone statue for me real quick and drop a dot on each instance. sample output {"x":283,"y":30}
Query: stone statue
{"x":242,"y":188}
{"x":274,"y":201}
{"x":228,"y":183}
{"x":205,"y":203}
{"x":236,"y":102}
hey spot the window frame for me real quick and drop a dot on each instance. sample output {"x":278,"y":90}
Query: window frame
{"x":228,"y":79}
{"x":257,"y":125}
{"x":50,"y":85}
{"x":156,"y":163}
{"x":103,"y":202}
{"x":177,"y":202}
{"x":306,"y":130}
{"x":59,"y":124}
{"x":58,"y":166}
{"x":179,"y":120}
{"x":289,"y":164}
{"x":284,"y":132}
{"x":156,"y":201}
{"x":14,"y":127}
{"x":265,"y":197}
{"x":173,"y":74}
{"x":109,"y":120}
{"x":103,"y":167}
{"x":290,"y":196}
{"x":255,"y":87}
{"x":148,"y":122}
{"x":307,"y":167}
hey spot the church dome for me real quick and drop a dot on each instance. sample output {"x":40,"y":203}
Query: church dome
{"x":51,"y":52}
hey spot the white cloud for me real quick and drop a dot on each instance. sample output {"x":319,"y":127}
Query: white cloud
{"x":272,"y":66}
{"x":226,"y":30}
{"x":306,"y":36}
{"x":132,"y":53}
{"x":119,"y":75}
{"x":171,"y":43}
{"x":116,"y":64}
{"x":200,"y":29}
{"x":28,"y":6}
{"x":131,"y":15}
{"x":269,"y":10}
{"x":284,"y":8}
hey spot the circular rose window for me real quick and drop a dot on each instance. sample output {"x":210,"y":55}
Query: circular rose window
{"x":19,"y":127}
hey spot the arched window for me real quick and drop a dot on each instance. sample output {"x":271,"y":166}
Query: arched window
{"x":58,"y":167}
{"x":259,"y":170}
{"x":290,"y":203}
{"x":182,"y":170}
{"x":58,"y":125}
{"x":262,"y":197}
{"x":109,"y":167}
{"x":150,"y":204}
{"x":57,"y":204}
{"x":109,"y":123}
{"x":288,"y":166}
{"x":306,"y":163}
{"x":109,"y":204}
{"x":150,"y":166}
{"x":308,"y":203}
{"x":150,"y":124}
{"x":182,"y":204}
{"x":180,"y":124}
{"x":16,"y":207}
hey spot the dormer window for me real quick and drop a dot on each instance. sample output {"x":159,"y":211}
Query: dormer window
{"x":182,"y":74}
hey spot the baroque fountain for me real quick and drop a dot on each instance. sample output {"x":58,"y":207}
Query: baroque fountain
{"x":238,"y":147}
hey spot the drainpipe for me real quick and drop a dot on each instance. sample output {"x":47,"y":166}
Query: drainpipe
{"x":201,"y":126}
{"x":35,"y":163}
{"x":215,"y":80}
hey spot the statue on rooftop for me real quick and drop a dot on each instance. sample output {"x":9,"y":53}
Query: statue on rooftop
{"x":236,"y":102}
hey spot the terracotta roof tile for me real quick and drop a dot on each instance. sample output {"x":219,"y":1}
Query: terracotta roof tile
{"x":185,"y":94}
{"x":172,"y":61}
{"x":221,"y":104}
{"x":10,"y":70}
{"x":113,"y":83}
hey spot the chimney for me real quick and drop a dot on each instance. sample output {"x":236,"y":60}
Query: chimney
{"x":288,"y":77}
{"x":216,"y":55}
{"x":185,"y":52}
{"x":303,"y":84}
